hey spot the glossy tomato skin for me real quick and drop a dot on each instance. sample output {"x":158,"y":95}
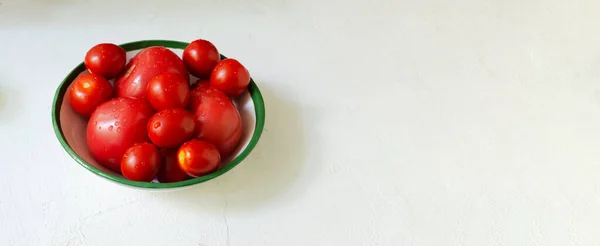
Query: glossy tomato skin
{"x":169,"y":128}
{"x":141,"y":162}
{"x":200,"y":57}
{"x":88,"y":92}
{"x":168,"y":90}
{"x":203,"y":91}
{"x":197,"y":157}
{"x":106,"y":60}
{"x":147,"y":64}
{"x":114,"y":127}
{"x":230,"y":77}
{"x":217,"y":119}
{"x":169,"y":171}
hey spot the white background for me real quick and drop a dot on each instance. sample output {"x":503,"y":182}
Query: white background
{"x":390,"y":122}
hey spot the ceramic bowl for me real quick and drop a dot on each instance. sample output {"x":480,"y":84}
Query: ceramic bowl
{"x":70,"y":127}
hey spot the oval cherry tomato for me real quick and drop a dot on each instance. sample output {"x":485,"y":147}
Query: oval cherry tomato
{"x":141,"y":162}
{"x":87,"y":92}
{"x":147,"y":64}
{"x":217,"y":119}
{"x":197,"y":157}
{"x":200,"y":58}
{"x":106,"y":60}
{"x":170,"y":171}
{"x":171,"y":127}
{"x":230,"y":77}
{"x":168,"y":90}
{"x":114,"y":127}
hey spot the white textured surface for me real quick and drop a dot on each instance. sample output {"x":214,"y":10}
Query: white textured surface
{"x":391,"y":122}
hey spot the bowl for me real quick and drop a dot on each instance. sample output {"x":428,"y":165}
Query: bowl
{"x":70,"y":127}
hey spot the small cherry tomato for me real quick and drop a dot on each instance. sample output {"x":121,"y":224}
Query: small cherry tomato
{"x":230,"y":77}
{"x":168,"y":90}
{"x":197,"y":157}
{"x":170,"y":171}
{"x":200,"y":58}
{"x":88,"y":92}
{"x":106,"y":60}
{"x":169,"y":128}
{"x":217,"y":119}
{"x":114,"y":127}
{"x":141,"y":162}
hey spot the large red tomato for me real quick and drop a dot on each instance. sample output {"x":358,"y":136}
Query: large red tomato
{"x":141,"y":162}
{"x":200,"y":57}
{"x":171,"y":127}
{"x":170,"y":171}
{"x":230,"y":77}
{"x":114,"y":127}
{"x":168,"y":90}
{"x":197,"y":157}
{"x":147,"y":64}
{"x":106,"y":60}
{"x":217,"y":119}
{"x":87,"y":92}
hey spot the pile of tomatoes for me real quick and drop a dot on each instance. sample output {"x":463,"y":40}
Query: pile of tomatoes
{"x":152,"y":122}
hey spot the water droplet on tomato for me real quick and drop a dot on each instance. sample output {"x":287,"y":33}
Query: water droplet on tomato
{"x":110,"y":128}
{"x":114,"y":110}
{"x":95,"y":122}
{"x":116,"y":115}
{"x":117,"y":123}
{"x":118,"y":129}
{"x":156,"y":125}
{"x":99,"y":128}
{"x":121,"y":110}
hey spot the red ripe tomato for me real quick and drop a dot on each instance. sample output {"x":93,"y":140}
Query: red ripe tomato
{"x":217,"y":119}
{"x":168,"y":90}
{"x":200,"y":57}
{"x":230,"y":77}
{"x":106,"y":60}
{"x":197,"y":157}
{"x":170,"y":171}
{"x":114,"y":127}
{"x":147,"y":64}
{"x":202,"y":91}
{"x":87,"y":92}
{"x":171,"y":127}
{"x":141,"y":162}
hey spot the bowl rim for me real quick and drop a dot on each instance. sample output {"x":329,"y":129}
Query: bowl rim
{"x":255,"y":95}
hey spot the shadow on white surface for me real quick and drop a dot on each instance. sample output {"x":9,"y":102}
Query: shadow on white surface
{"x":8,"y":97}
{"x":267,"y":173}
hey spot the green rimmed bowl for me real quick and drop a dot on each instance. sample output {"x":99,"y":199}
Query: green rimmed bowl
{"x":70,"y":127}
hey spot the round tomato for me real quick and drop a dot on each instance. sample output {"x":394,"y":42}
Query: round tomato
{"x":168,"y":90}
{"x":144,"y":66}
{"x":114,"y":127}
{"x":200,"y":57}
{"x":217,"y":119}
{"x":170,"y":171}
{"x":141,"y":162}
{"x":197,"y":157}
{"x":230,"y":77}
{"x":87,"y":92}
{"x":171,"y":127}
{"x":106,"y":60}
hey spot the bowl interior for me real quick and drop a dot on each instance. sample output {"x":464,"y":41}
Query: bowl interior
{"x":72,"y":128}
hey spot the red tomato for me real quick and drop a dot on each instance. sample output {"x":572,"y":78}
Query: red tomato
{"x":217,"y":119}
{"x":200,"y":57}
{"x":147,"y":64}
{"x":106,"y":60}
{"x":141,"y":162}
{"x":114,"y":127}
{"x":87,"y":92}
{"x":230,"y":77}
{"x":168,"y":90}
{"x":171,"y":127}
{"x":202,"y":91}
{"x":170,"y":171}
{"x":197,"y":157}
